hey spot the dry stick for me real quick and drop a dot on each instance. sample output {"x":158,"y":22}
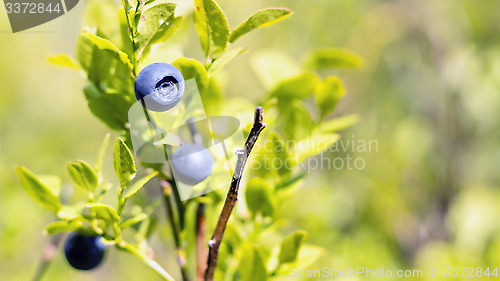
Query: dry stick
{"x":232,"y":195}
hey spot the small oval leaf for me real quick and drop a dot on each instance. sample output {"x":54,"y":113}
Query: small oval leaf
{"x":261,"y":18}
{"x":124,"y":163}
{"x":37,"y":190}
{"x":290,"y":246}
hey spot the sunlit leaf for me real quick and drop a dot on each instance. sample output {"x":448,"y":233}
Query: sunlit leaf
{"x":37,"y":190}
{"x":328,"y":93}
{"x":333,"y":58}
{"x":191,"y":68}
{"x":300,"y":86}
{"x":338,"y":124}
{"x":259,"y":197}
{"x":261,"y":18}
{"x":111,"y":109}
{"x":64,"y":226}
{"x":136,"y":219}
{"x":158,"y":18}
{"x":314,"y":145}
{"x":290,"y":246}
{"x":105,"y":44}
{"x":102,"y":153}
{"x":166,"y":30}
{"x":212,"y":27}
{"x":137,"y":185}
{"x":62,"y":60}
{"x":225,"y":59}
{"x":83,"y":175}
{"x":251,"y":266}
{"x":124,"y":163}
{"x":103,"y":211}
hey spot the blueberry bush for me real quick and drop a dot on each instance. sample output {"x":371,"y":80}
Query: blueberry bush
{"x":116,"y":59}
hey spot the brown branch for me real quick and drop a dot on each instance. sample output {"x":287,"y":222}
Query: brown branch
{"x":201,"y":249}
{"x":232,"y":195}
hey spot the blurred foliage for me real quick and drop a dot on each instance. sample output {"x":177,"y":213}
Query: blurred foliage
{"x":427,"y":93}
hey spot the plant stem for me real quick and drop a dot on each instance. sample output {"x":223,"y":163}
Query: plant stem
{"x":149,"y":262}
{"x":181,"y":256}
{"x":201,"y":224}
{"x":201,"y":250}
{"x":47,"y":256}
{"x":232,"y":195}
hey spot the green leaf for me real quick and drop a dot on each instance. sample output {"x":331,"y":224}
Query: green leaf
{"x":166,"y":30}
{"x":62,"y":60}
{"x":272,"y":67}
{"x":225,"y":59}
{"x":70,"y":212}
{"x":274,"y":157}
{"x":105,"y":44}
{"x":129,"y":222}
{"x":292,"y":181}
{"x":261,"y":18}
{"x":290,"y":246}
{"x":124,"y":163}
{"x":298,"y":123}
{"x":259,"y":197}
{"x":103,"y":211}
{"x":37,"y":190}
{"x":102,"y":153}
{"x":52,"y":182}
{"x":211,"y":26}
{"x":112,"y":109}
{"x":281,"y":152}
{"x":333,"y":58}
{"x":338,"y":124}
{"x":152,"y":21}
{"x":84,"y":51}
{"x":314,"y":145}
{"x":328,"y":93}
{"x":137,"y":185}
{"x":300,"y":86}
{"x":251,"y":266}
{"x":191,"y":68}
{"x":64,"y":226}
{"x":83,"y":175}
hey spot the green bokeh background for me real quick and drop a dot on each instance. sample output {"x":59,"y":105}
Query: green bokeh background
{"x":428,"y":94}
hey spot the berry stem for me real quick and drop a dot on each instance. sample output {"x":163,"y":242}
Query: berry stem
{"x":232,"y":195}
{"x":201,"y":223}
{"x":181,"y":255}
{"x":148,"y":261}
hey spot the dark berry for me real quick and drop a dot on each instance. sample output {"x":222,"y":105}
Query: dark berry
{"x":84,"y":252}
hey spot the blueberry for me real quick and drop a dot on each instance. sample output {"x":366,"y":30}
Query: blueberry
{"x":192,"y":163}
{"x":159,"y":86}
{"x":84,"y":252}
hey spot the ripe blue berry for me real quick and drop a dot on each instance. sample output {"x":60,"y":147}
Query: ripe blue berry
{"x":159,"y":86}
{"x":84,"y":252}
{"x":192,"y":163}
